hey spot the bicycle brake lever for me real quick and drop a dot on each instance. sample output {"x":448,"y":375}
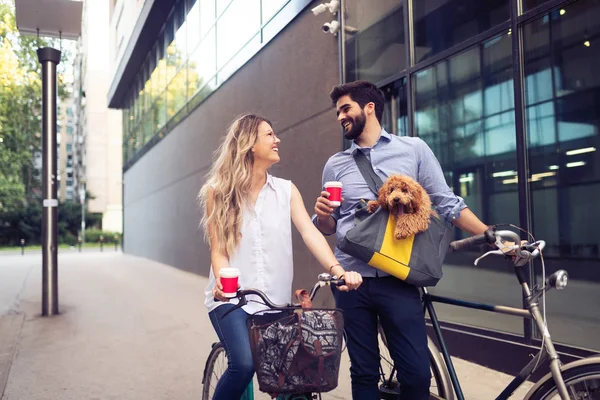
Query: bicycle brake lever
{"x":498,"y":252}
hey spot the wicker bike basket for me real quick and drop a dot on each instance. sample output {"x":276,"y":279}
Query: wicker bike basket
{"x":296,"y":350}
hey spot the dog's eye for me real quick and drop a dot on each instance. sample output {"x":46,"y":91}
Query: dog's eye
{"x":391,"y":190}
{"x":404,"y":190}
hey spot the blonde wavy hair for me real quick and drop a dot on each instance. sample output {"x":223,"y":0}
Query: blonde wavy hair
{"x":228,"y":183}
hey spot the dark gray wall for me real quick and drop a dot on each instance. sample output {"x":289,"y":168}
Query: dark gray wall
{"x":287,"y":82}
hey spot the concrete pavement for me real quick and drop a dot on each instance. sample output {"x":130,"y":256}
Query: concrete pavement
{"x":129,"y":328}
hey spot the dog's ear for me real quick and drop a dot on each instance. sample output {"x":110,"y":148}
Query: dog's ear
{"x":417,"y":196}
{"x":383,"y":192}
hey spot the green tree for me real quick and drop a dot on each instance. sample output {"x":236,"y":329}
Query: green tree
{"x":20,"y":110}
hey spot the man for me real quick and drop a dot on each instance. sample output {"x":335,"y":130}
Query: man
{"x":395,"y":303}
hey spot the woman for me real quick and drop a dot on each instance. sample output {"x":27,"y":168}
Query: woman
{"x":247,"y":221}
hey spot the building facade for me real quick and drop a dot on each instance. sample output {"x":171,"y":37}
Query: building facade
{"x":66,"y":149}
{"x":503,"y":91}
{"x":98,"y":129}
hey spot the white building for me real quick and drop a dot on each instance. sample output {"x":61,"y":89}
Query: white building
{"x":98,"y":152}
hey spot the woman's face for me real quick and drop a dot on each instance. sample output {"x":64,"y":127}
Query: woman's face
{"x":266,"y":148}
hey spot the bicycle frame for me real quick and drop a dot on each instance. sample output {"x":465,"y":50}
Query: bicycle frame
{"x":533,"y":312}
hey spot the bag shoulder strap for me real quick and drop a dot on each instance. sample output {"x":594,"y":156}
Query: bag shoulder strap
{"x":366,"y":170}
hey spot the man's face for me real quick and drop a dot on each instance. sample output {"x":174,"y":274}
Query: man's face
{"x":351,"y":117}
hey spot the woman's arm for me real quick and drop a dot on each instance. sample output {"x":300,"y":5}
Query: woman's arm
{"x":218,"y":255}
{"x":316,"y":243}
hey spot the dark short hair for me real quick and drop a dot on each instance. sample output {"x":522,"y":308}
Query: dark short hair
{"x":362,"y":92}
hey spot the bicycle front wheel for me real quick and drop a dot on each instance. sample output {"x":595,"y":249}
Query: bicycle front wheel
{"x":216,"y":365}
{"x":583,"y":382}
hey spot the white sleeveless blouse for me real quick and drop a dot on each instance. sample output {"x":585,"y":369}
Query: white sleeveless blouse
{"x":264,"y":254}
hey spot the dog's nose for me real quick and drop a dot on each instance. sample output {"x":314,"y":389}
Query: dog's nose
{"x":396,"y":200}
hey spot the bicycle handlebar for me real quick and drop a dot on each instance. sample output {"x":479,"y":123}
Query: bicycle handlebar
{"x":323,"y":280}
{"x":486,"y":237}
{"x":508,"y":243}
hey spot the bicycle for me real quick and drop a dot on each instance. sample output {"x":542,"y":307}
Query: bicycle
{"x":576,"y":380}
{"x":216,"y":363}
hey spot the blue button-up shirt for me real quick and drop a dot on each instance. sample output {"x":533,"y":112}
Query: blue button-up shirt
{"x":389,"y":155}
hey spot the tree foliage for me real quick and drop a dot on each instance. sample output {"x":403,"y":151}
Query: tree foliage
{"x":21,"y":121}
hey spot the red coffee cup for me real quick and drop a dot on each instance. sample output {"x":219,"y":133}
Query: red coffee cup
{"x":335,"y":192}
{"x":229,"y":280}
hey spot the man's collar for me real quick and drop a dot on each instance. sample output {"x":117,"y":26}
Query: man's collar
{"x":386,"y":137}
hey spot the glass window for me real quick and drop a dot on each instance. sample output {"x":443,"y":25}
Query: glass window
{"x":193,"y":25}
{"x":159,"y":111}
{"x":529,"y":4}
{"x":270,"y":8}
{"x":441,"y":24}
{"x":207,"y":16}
{"x":170,"y":49}
{"x":239,"y":23}
{"x":176,"y":93}
{"x":180,"y":33}
{"x":464,"y":112}
{"x":375,"y":44}
{"x":563,"y":95}
{"x":161,"y":73}
{"x":395,"y":118}
{"x":222,"y":6}
{"x":202,"y":64}
{"x":239,"y":59}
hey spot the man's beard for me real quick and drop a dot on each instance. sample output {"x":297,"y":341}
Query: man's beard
{"x":358,"y":124}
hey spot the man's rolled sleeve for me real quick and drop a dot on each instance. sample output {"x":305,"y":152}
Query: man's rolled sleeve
{"x":431,"y":177}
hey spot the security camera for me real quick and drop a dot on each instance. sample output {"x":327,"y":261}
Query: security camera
{"x":333,"y":6}
{"x":331,"y":27}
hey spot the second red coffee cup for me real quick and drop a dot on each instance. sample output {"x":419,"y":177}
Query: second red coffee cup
{"x":335,"y":192}
{"x":229,"y":280}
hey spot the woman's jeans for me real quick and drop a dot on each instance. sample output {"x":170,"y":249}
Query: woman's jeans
{"x":233,"y":333}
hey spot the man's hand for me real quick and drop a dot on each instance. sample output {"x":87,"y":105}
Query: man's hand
{"x":323,"y":207}
{"x":353,"y":281}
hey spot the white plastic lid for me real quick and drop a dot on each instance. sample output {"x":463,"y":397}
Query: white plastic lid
{"x":333,"y":184}
{"x":229,"y":272}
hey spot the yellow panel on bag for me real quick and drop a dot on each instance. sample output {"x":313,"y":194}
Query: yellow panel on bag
{"x":394,"y":255}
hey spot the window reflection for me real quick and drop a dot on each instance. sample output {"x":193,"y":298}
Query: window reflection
{"x":202,"y":64}
{"x":193,"y":25}
{"x":182,"y":68}
{"x":464,"y":110}
{"x":207,"y":16}
{"x":180,"y":26}
{"x":562,"y":124}
{"x":376,"y":50}
{"x":238,"y":24}
{"x":395,"y":117}
{"x":176,"y":93}
{"x":441,"y":24}
{"x":529,"y":4}
{"x":270,"y":8}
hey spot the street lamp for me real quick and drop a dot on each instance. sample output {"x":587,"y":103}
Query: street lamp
{"x":62,"y":19}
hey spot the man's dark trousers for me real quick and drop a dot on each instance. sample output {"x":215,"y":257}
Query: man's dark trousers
{"x":399,"y":308}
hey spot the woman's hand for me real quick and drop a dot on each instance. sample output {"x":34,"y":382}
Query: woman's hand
{"x":218,"y":291}
{"x":353,"y":281}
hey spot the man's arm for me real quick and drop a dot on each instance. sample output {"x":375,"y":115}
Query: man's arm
{"x":468,"y":222}
{"x":450,"y":206}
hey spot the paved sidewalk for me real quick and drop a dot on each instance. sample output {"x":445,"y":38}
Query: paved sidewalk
{"x":129,"y":329}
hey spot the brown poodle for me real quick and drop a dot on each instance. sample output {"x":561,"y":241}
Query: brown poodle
{"x":406,"y":199}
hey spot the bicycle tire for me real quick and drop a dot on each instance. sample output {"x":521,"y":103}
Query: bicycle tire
{"x":583,"y":382}
{"x":210,"y":376}
{"x":441,"y":384}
